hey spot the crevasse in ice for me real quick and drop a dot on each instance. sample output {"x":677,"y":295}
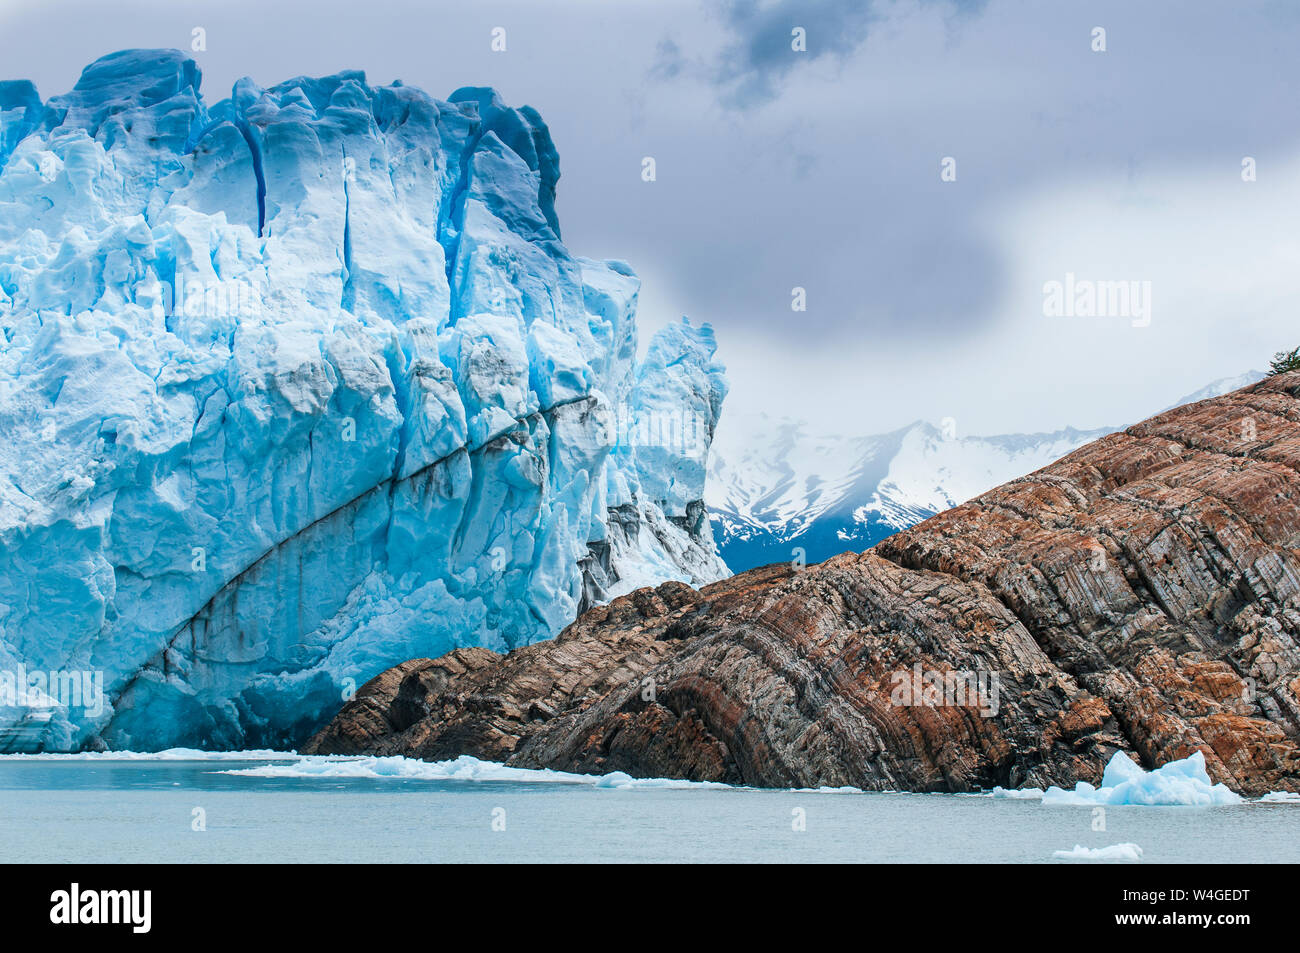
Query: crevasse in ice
{"x":303,"y":384}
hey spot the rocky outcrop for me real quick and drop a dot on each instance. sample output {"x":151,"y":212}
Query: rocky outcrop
{"x":1141,"y":594}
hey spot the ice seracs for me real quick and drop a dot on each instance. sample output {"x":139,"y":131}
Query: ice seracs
{"x":304,"y":383}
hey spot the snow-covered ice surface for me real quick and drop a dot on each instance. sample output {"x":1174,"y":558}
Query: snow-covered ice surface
{"x":168,"y":754}
{"x":1129,"y":852}
{"x":302,"y":384}
{"x":464,"y":768}
{"x":1183,"y":782}
{"x":290,"y":764}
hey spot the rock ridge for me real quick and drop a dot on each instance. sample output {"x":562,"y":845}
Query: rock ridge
{"x":1141,"y":594}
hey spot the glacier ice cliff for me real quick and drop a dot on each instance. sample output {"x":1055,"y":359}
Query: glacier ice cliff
{"x":302,"y":384}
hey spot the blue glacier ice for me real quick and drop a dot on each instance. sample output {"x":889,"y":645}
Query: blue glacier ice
{"x":1124,"y":782}
{"x":1182,"y":782}
{"x":302,"y":384}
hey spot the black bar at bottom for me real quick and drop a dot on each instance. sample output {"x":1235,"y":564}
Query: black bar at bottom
{"x":305,"y":903}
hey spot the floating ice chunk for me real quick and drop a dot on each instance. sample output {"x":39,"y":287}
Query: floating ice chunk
{"x":618,"y":779}
{"x":1018,"y":794}
{"x":468,"y":768}
{"x":1280,"y":797}
{"x":464,"y":768}
{"x":1182,"y":782}
{"x":1129,"y":852}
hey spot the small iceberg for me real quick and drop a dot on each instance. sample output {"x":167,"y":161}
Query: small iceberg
{"x":1128,"y":852}
{"x":1180,"y":783}
{"x":1018,"y":794}
{"x":623,"y":781}
{"x":1280,"y":797}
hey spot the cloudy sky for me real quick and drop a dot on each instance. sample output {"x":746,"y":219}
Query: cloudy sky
{"x":821,"y":169}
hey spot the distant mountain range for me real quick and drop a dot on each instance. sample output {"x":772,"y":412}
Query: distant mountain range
{"x":779,"y":491}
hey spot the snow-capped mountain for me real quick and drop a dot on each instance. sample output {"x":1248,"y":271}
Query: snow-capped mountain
{"x":778,"y":490}
{"x":1224,"y":385}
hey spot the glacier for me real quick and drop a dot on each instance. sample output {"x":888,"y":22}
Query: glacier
{"x":302,"y":384}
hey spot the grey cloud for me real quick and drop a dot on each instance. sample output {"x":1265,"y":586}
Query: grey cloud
{"x":754,"y":65}
{"x":915,"y":286}
{"x":669,"y":63}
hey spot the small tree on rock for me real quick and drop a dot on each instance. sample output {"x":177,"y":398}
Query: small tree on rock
{"x":1284,"y":361}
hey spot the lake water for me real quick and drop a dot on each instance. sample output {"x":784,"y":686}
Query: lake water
{"x":76,"y":809}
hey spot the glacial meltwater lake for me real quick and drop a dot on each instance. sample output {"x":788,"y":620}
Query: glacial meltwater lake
{"x":281,"y":808}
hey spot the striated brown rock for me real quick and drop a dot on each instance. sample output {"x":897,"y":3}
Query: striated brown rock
{"x":1141,"y":594}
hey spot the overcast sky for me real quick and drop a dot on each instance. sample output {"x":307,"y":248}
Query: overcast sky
{"x":821,"y":169}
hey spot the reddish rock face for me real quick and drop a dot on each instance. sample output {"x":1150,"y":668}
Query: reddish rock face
{"x":1141,"y":594}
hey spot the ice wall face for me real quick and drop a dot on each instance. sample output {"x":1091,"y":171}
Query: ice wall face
{"x":304,"y":384}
